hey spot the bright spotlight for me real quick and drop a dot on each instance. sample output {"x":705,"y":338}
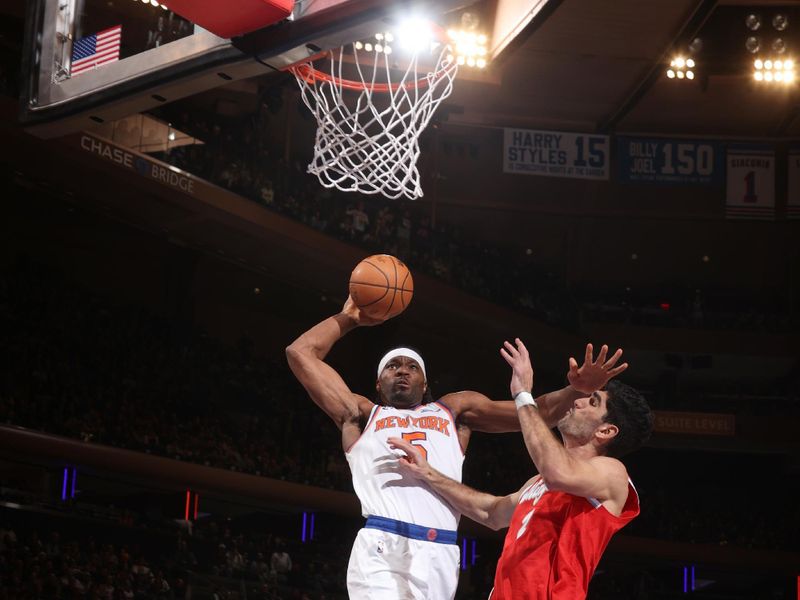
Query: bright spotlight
{"x":679,"y":68}
{"x":469,"y":45}
{"x":414,"y":35}
{"x":774,"y":70}
{"x":758,"y":64}
{"x":689,"y":74}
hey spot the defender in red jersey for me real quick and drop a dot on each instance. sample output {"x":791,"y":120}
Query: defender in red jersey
{"x":561,"y":520}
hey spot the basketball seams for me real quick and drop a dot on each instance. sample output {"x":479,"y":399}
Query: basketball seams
{"x":376,"y":300}
{"x":394,"y":290}
{"x":379,"y":270}
{"x":394,"y":294}
{"x":403,"y":288}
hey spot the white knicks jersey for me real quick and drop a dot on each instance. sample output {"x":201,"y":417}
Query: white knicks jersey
{"x":383,"y":491}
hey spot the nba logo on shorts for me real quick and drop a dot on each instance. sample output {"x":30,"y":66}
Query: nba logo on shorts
{"x":381,"y":547}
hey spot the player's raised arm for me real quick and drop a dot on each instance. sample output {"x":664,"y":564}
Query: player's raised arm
{"x":480,"y":413}
{"x":325,"y":386}
{"x":584,"y":474}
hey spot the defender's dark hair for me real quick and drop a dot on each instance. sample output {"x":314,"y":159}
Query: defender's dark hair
{"x":629,"y":411}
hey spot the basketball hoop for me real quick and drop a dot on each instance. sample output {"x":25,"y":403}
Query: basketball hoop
{"x":370,"y":114}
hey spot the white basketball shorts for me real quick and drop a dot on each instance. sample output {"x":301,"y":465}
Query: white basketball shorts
{"x":388,"y":566}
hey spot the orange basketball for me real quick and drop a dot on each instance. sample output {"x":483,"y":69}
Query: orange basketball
{"x":381,"y":286}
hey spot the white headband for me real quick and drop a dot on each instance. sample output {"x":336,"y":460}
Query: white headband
{"x":407,"y":352}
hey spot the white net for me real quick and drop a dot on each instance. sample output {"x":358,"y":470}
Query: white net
{"x":368,"y":126}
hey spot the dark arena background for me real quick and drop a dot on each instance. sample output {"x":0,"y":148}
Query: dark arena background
{"x":162,"y":243}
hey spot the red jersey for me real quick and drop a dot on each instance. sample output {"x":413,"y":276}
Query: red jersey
{"x":554,"y":543}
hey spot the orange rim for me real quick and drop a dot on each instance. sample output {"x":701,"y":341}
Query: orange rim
{"x":309,"y":74}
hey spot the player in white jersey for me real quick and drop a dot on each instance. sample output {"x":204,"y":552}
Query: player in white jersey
{"x":407,"y":549}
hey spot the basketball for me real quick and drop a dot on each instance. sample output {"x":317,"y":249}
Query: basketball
{"x":381,"y":286}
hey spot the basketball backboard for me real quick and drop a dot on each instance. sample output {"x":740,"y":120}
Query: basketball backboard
{"x":161,"y":56}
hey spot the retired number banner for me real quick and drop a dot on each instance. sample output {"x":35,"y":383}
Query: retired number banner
{"x":555,"y":154}
{"x":751,"y":183}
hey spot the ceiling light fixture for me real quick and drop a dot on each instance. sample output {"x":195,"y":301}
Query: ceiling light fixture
{"x":681,"y":68}
{"x":753,"y":22}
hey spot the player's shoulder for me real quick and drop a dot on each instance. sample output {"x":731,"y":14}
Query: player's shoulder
{"x":365,"y":406}
{"x":459,"y":402}
{"x":527,"y":485}
{"x":612,"y":468}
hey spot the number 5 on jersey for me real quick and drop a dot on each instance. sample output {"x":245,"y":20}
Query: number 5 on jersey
{"x":413,"y":437}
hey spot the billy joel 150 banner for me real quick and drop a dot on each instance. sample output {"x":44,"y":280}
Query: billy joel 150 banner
{"x":669,"y":161}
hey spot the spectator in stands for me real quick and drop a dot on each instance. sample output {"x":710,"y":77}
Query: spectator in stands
{"x":281,"y":563}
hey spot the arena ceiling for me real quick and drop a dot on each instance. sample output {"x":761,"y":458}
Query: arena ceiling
{"x":600,"y":65}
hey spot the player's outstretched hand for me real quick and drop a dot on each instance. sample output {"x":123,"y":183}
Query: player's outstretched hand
{"x":521,"y":368}
{"x":351,"y":310}
{"x":592,"y":375}
{"x":413,"y":463}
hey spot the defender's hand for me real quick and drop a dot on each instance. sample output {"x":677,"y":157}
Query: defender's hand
{"x":593,"y":375}
{"x":413,"y":463}
{"x":521,"y":368}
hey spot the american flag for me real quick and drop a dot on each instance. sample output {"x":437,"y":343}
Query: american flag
{"x":96,"y":49}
